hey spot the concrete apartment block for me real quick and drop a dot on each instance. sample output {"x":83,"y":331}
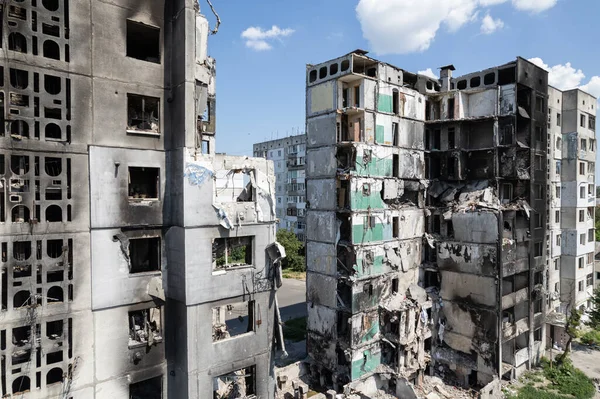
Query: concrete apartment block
{"x":134,"y":259}
{"x":289,"y":156}
{"x":438,"y":230}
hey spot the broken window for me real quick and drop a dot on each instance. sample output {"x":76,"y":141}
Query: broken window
{"x":19,"y":79}
{"x":51,"y":50}
{"x":538,"y":249}
{"x":143,"y":183}
{"x":582,"y":120}
{"x":539,"y":104}
{"x":558,"y":164}
{"x":507,"y":192}
{"x":395,"y":102}
{"x":55,"y":295}
{"x":581,"y":216}
{"x":144,"y":327}
{"x":558,"y":120}
{"x":237,"y":384}
{"x":21,"y":335}
{"x":451,"y":108}
{"x":237,"y":185}
{"x":229,"y":252}
{"x":436,"y":224}
{"x":395,"y":134}
{"x":22,"y":298}
{"x":357,"y":96}
{"x":507,"y":137}
{"x":54,"y":329}
{"x":539,"y":162}
{"x":19,"y":164}
{"x":21,"y":250}
{"x":592,"y":123}
{"x":147,"y":389}
{"x":233,"y":319}
{"x":17,"y":42}
{"x":143,"y":113}
{"x":436,"y":139}
{"x":144,"y":254}
{"x":143,"y":42}
{"x":21,"y":385}
{"x":583,"y":145}
{"x":54,"y":376}
{"x":20,"y":213}
{"x":54,"y":214}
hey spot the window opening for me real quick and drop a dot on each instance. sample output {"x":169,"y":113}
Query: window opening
{"x":147,"y":389}
{"x":51,"y":50}
{"x":233,"y":319}
{"x":143,"y":113}
{"x":143,"y":183}
{"x":144,"y":254}
{"x":144,"y":327}
{"x":231,"y":252}
{"x":143,"y":42}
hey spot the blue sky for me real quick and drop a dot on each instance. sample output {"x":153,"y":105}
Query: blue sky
{"x":261,"y":76}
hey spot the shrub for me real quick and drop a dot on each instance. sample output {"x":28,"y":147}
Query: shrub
{"x":591,"y":337}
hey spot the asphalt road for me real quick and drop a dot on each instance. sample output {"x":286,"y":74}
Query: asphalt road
{"x":292,"y":299}
{"x":292,"y":304}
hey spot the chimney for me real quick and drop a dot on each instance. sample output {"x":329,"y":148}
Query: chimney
{"x":446,"y":76}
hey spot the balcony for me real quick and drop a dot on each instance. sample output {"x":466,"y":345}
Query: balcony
{"x":513,"y":298}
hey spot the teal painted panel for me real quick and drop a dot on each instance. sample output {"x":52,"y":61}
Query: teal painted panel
{"x":362,"y":235}
{"x":375,"y":269}
{"x":377,"y":167}
{"x":358,"y":201}
{"x":371,"y":332}
{"x":366,"y":365}
{"x":380,"y":134}
{"x":384,"y":103}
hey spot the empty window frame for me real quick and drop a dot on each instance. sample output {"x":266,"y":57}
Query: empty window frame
{"x":231,"y":252}
{"x":580,"y":263}
{"x":144,"y":327}
{"x":143,"y":183}
{"x":236,"y":185}
{"x":236,"y":384}
{"x":538,"y":249}
{"x":582,"y":120}
{"x":144,"y":254}
{"x":592,"y":123}
{"x":581,"y":215}
{"x":143,"y":42}
{"x":583,"y":145}
{"x":233,"y":319}
{"x":582,"y":192}
{"x":143,"y":113}
{"x":507,"y":192}
{"x":590,"y":235}
{"x":147,"y":389}
{"x":580,"y":286}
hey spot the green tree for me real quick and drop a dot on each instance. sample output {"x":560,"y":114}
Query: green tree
{"x":594,"y":312}
{"x":572,"y":330}
{"x":294,"y":250}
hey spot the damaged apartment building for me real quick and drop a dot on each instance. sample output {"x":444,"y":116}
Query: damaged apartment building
{"x":428,"y":217}
{"x":108,"y":170}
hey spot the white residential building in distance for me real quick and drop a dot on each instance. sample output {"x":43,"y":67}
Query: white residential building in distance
{"x":577,"y":147}
{"x":288,"y":155}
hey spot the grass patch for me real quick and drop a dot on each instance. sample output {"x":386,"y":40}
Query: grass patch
{"x":295,"y":329}
{"x":563,"y":382}
{"x":569,"y":380}
{"x":286,"y":273}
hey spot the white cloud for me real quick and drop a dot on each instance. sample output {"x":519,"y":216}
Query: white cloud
{"x":258,"y":38}
{"x":565,"y":77}
{"x":428,"y":72}
{"x":593,"y":87}
{"x":489,"y":25}
{"x":406,"y":26}
{"x":562,"y":77}
{"x":533,"y":5}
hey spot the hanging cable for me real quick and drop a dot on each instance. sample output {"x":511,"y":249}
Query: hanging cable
{"x":216,"y":29}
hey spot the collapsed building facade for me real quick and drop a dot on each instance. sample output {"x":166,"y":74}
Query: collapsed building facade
{"x":134,"y":259}
{"x":427,"y":212}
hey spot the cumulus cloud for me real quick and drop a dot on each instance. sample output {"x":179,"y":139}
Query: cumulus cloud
{"x":593,"y":87}
{"x":533,"y":6}
{"x":561,"y":76}
{"x":565,"y":77}
{"x":258,"y":39}
{"x":428,"y":72}
{"x":490,"y":25}
{"x":406,"y":26}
